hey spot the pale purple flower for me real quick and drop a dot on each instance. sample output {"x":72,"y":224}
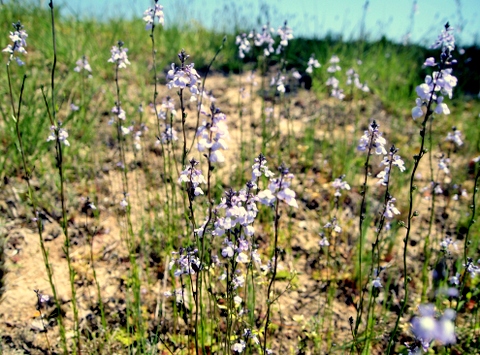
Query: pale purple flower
{"x":187,"y":263}
{"x":443,"y":165}
{"x":260,"y":168}
{"x":119,"y":55}
{"x":334,"y":67}
{"x":62,"y":135}
{"x":333,"y":225}
{"x":243,"y":44}
{"x":372,"y":140}
{"x":288,"y":196}
{"x":19,"y":39}
{"x":428,"y":328}
{"x":377,"y":282}
{"x":339,"y":184}
{"x":441,"y":81}
{"x":393,"y":160}
{"x":256,"y":257}
{"x":279,"y":188}
{"x":445,"y":40}
{"x":151,"y":14}
{"x":312,"y":63}
{"x":333,"y":82}
{"x":442,"y":107}
{"x":455,"y":280}
{"x":184,"y":77}
{"x":353,"y":79}
{"x":242,"y":258}
{"x":338,"y":94}
{"x":119,"y":112}
{"x":455,"y":136}
{"x":125,"y":130}
{"x":82,"y":64}
{"x":238,"y":281}
{"x":193,"y":178}
{"x":424,"y":327}
{"x":296,"y":74}
{"x":239,"y":347}
{"x":430,"y":62}
{"x":123,"y":203}
{"x":285,"y":34}
{"x":384,"y":176}
{"x":280,"y":85}
{"x":213,"y":135}
{"x":446,"y":243}
{"x":324,"y":241}
{"x":471,"y":268}
{"x":417,"y":111}
{"x":390,"y":209}
{"x":265,"y":39}
{"x":228,"y":251}
{"x":74,"y":107}
{"x":169,"y":134}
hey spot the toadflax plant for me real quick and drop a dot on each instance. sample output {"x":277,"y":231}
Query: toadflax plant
{"x":430,"y":98}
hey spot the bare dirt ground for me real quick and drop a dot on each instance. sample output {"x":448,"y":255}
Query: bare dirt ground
{"x":295,"y":314}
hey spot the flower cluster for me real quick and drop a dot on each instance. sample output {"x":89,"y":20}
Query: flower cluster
{"x":19,"y":39}
{"x":260,"y":168}
{"x":279,"y":188}
{"x":441,"y":82}
{"x":193,"y":178}
{"x":332,"y":81}
{"x":137,"y":136}
{"x":392,"y":159}
{"x":119,"y":55}
{"x":312,"y":63}
{"x":443,"y":164}
{"x":339,"y":184}
{"x":471,"y":268}
{"x":334,"y":67}
{"x":185,"y":262}
{"x":169,"y":134}
{"x":285,"y":34}
{"x":82,"y":64}
{"x":243,"y":44}
{"x":390,"y":209}
{"x":278,"y":81}
{"x":118,"y":111}
{"x":212,"y":136}
{"x":428,"y":327}
{"x":240,"y":211}
{"x":151,"y":13}
{"x":455,"y":137}
{"x":60,"y":132}
{"x":265,"y":39}
{"x":354,"y":79}
{"x":372,"y":139}
{"x":184,"y":77}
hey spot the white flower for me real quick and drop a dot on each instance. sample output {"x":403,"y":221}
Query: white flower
{"x":239,"y":347}
{"x":242,"y":258}
{"x":288,"y":196}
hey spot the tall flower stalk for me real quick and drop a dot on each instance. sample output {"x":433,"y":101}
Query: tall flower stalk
{"x":278,"y":189}
{"x":371,"y":141}
{"x":119,"y":57}
{"x":443,"y":82}
{"x":19,"y":37}
{"x":60,"y":135}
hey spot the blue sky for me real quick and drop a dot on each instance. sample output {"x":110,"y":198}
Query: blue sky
{"x":311,"y":17}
